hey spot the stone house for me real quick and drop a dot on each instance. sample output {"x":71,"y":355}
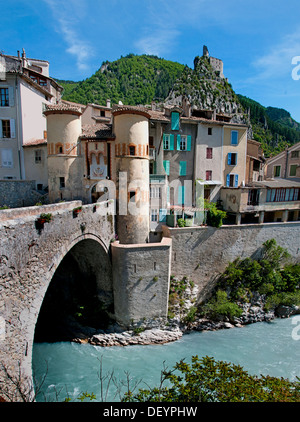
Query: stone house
{"x":284,"y":165}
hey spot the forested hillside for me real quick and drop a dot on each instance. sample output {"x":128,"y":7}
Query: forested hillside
{"x":271,"y":126}
{"x":131,"y":79}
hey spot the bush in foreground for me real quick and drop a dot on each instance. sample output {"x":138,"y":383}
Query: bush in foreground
{"x":207,"y":380}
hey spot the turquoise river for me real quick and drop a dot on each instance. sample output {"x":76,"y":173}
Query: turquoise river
{"x":262,"y":348}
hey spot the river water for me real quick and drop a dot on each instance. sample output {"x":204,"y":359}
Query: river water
{"x":263,"y":348}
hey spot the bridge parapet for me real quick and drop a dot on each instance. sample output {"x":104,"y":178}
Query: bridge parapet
{"x":29,"y":256}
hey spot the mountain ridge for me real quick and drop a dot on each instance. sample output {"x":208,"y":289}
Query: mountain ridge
{"x":141,"y":79}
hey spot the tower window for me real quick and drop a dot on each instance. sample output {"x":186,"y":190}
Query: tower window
{"x":62,"y":183}
{"x":131,"y":150}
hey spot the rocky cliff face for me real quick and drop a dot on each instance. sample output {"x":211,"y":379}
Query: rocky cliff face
{"x":205,"y":89}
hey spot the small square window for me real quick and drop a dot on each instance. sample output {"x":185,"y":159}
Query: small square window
{"x":4,"y":98}
{"x":277,"y":171}
{"x":62,"y":183}
{"x":208,"y":175}
{"x":209,"y":153}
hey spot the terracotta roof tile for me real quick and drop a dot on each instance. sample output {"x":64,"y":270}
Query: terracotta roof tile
{"x":97,"y":131}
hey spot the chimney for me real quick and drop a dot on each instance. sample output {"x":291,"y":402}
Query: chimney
{"x":108,"y":104}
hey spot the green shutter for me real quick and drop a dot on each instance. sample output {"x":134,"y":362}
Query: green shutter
{"x":166,"y":164}
{"x":189,"y":143}
{"x":178,"y":142}
{"x":180,"y":195}
{"x":171,"y":142}
{"x":175,"y":121}
{"x":182,"y":168}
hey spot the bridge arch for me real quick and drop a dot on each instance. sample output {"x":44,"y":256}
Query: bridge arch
{"x":91,"y":256}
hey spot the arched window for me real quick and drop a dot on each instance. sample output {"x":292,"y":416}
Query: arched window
{"x":131,"y":150}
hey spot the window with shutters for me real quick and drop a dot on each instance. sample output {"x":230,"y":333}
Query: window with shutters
{"x":277,"y":170}
{"x":6,"y":158}
{"x":6,"y":128}
{"x":293,"y":170}
{"x":168,"y":142}
{"x":232,"y":158}
{"x":4,"y":97}
{"x":184,"y":142}
{"x":232,"y":180}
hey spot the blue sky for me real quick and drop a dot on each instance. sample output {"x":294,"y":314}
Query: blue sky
{"x":257,"y":40}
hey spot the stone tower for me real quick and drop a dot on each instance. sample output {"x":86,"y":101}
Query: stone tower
{"x":64,"y":160}
{"x":131,"y":129}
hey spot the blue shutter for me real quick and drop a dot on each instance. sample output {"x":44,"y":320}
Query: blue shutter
{"x":171,"y":142}
{"x":182,"y":168}
{"x":189,"y":143}
{"x":175,"y":121}
{"x":234,"y":137}
{"x":236,"y":180}
{"x":166,"y":164}
{"x":163,"y":215}
{"x":229,"y":158}
{"x":228,"y":180}
{"x":178,"y":142}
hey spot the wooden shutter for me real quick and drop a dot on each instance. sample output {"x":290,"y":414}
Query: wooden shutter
{"x":189,"y":143}
{"x":11,"y":96}
{"x":171,"y":142}
{"x":166,"y":164}
{"x":236,"y":180}
{"x":175,"y":121}
{"x":182,"y":168}
{"x":228,"y":180}
{"x":180,"y":194}
{"x":12,"y":128}
{"x":178,"y":142}
{"x":163,"y":215}
{"x":229,"y":159}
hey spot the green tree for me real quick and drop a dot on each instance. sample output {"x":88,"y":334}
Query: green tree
{"x":208,"y":380}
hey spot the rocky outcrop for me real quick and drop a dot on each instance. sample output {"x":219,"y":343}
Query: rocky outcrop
{"x":127,"y":338}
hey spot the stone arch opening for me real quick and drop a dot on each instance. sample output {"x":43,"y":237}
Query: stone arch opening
{"x":79,"y":298}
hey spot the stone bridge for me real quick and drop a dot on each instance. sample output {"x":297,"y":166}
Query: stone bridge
{"x":31,"y":253}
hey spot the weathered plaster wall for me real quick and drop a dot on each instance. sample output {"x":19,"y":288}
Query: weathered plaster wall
{"x":28,"y":261}
{"x":202,"y":253}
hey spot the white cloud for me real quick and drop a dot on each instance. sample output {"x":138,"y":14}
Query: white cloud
{"x":158,"y":42}
{"x":68,"y":20}
{"x":278,"y":62}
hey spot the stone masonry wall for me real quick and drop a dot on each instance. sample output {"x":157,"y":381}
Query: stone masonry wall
{"x":141,"y":275}
{"x":202,"y":253}
{"x":28,"y":260}
{"x":18,"y":193}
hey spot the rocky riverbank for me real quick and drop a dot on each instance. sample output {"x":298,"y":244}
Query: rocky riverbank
{"x":162,"y":330}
